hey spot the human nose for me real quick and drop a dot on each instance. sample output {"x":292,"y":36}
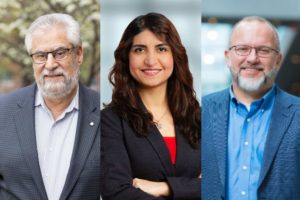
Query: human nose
{"x":252,"y":57}
{"x":151,"y":59}
{"x":50,"y":62}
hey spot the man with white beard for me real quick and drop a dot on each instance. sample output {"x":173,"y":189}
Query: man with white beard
{"x":251,"y":131}
{"x":50,"y":131}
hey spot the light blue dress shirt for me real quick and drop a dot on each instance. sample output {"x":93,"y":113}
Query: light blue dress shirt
{"x":247,"y":133}
{"x":55,"y":142}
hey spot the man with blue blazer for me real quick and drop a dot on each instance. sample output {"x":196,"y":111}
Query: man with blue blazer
{"x":50,"y":131}
{"x":251,"y":131}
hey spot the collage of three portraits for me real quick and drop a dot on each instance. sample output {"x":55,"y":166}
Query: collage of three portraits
{"x":146,"y":100}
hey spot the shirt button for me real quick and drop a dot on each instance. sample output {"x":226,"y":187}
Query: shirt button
{"x":262,"y":110}
{"x":243,"y":193}
{"x":248,"y":120}
{"x":51,"y":149}
{"x":245,"y":167}
{"x":246,"y":143}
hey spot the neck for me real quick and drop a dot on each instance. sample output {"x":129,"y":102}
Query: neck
{"x":57,"y":106}
{"x":155,"y":98}
{"x":247,"y":97}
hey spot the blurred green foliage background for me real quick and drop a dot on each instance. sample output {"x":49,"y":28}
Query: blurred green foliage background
{"x":15,"y":18}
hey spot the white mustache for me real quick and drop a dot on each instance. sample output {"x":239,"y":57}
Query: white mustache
{"x":56,"y":72}
{"x":257,"y":67}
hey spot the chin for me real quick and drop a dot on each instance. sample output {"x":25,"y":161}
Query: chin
{"x":56,"y":90}
{"x":251,"y":84}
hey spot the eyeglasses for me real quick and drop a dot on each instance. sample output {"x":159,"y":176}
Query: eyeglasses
{"x":58,"y":54}
{"x":245,"y":50}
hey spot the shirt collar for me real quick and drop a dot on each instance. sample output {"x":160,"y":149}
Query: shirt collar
{"x":264,"y":102}
{"x":39,"y":101}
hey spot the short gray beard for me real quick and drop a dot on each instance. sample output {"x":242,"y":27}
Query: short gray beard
{"x":57,"y":89}
{"x":252,"y":84}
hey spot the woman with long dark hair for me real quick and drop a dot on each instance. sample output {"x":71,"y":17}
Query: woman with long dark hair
{"x":151,"y":128}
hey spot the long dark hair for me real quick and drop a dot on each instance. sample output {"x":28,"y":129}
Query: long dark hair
{"x":182,"y":100}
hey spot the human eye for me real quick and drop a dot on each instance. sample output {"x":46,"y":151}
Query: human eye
{"x":138,"y":49}
{"x":163,"y":48}
{"x":242,"y":48}
{"x":39,"y":56}
{"x":264,"y":50}
{"x":60,"y":53}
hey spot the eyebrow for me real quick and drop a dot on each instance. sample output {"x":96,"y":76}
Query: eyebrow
{"x":54,"y":49}
{"x":138,"y":45}
{"x":144,"y":46}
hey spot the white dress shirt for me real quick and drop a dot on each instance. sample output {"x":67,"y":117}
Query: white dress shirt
{"x":55,"y":142}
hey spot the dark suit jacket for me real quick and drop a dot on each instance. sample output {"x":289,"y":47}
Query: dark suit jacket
{"x":20,"y":176}
{"x":126,"y":156}
{"x":280,"y":172}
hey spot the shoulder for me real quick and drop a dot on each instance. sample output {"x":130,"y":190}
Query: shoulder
{"x":287,"y":99}
{"x":19,"y":95}
{"x":111,"y":123}
{"x":12,"y":102}
{"x":216,"y":96}
{"x":108,"y":113}
{"x":87,"y":92}
{"x":88,"y":98}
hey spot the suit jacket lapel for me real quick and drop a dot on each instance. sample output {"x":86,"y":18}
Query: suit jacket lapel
{"x":24,"y":120}
{"x":156,"y":140}
{"x":220,"y":115}
{"x":281,"y":118}
{"x":183,"y":149}
{"x":88,"y":124}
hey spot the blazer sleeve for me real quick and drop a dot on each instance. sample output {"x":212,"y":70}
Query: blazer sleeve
{"x":185,"y":188}
{"x":116,"y":174}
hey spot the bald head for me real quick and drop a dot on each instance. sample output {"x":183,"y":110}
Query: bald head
{"x":246,"y":21}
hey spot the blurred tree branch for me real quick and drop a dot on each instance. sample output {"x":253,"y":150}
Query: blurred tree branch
{"x":17,"y":15}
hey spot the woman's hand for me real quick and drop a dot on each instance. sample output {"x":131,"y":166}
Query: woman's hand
{"x":156,"y":189}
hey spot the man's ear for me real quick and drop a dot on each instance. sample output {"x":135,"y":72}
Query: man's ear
{"x":79,"y":52}
{"x":227,"y":57}
{"x":279,"y":60}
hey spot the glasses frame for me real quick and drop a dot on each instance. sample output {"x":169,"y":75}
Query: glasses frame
{"x":256,"y":50}
{"x":53,"y":53}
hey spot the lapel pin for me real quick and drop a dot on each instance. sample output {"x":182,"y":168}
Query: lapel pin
{"x":92,"y":123}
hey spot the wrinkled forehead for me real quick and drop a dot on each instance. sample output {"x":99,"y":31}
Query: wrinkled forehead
{"x":48,"y":40}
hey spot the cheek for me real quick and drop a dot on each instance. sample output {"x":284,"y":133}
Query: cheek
{"x":167,"y":62}
{"x":272,"y":65}
{"x":132,"y":69}
{"x":37,"y":71}
{"x":70,"y":67}
{"x":235,"y":63}
{"x":134,"y":60}
{"x":134,"y":64}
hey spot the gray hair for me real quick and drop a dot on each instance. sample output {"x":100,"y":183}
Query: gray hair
{"x":45,"y":22}
{"x":258,"y":19}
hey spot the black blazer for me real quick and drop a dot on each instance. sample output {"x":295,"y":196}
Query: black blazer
{"x":20,"y":176}
{"x":126,"y":156}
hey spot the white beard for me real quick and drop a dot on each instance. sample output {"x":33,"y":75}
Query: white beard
{"x":57,"y":89}
{"x":253,"y":84}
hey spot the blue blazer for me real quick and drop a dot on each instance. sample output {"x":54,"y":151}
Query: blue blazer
{"x":280,"y":173}
{"x":20,"y":175}
{"x":125,"y":156}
